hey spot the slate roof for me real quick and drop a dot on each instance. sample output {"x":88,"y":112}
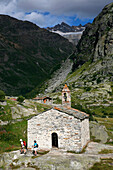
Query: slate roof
{"x":70,"y":111}
{"x":74,"y":112}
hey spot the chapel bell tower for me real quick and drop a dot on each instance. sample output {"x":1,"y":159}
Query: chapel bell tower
{"x":66,"y":97}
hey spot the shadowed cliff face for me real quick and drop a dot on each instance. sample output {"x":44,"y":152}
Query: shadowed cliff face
{"x":28,"y":55}
{"x":97,"y":43}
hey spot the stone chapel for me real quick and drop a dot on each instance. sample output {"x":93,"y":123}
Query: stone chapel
{"x":62,"y":127}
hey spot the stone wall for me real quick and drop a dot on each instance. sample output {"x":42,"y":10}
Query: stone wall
{"x":85,"y":134}
{"x":67,"y":127}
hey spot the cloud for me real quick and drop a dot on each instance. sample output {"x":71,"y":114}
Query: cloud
{"x":8,"y":6}
{"x":50,"y":12}
{"x":82,"y":8}
{"x":42,"y":20}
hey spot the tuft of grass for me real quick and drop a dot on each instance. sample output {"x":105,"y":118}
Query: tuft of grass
{"x":94,"y":140}
{"x":15,"y":160}
{"x":104,"y":164}
{"x":105,"y":151}
{"x":34,"y":166}
{"x":14,"y":166}
{"x":39,"y":154}
{"x":33,"y":157}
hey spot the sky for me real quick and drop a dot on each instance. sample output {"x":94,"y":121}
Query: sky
{"x":47,"y":13}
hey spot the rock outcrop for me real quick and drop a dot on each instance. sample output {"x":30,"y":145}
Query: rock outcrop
{"x":96,"y":45}
{"x":56,"y":159}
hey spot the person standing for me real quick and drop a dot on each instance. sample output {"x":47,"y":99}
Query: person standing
{"x":22,"y":146}
{"x":35,"y":147}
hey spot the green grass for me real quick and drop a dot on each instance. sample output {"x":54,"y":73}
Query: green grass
{"x":105,"y":151}
{"x":104,"y":164}
{"x":57,"y":101}
{"x":6,"y":147}
{"x":42,"y":107}
{"x":5,"y":113}
{"x":40,"y":153}
{"x":102,"y":110}
{"x":92,"y":138}
{"x":11,"y":134}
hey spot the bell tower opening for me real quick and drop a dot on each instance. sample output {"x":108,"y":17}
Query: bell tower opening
{"x":66,"y":97}
{"x":54,"y":140}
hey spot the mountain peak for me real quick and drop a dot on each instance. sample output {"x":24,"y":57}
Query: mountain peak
{"x":64,"y":27}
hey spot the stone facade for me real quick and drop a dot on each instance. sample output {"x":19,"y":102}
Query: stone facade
{"x":72,"y":132}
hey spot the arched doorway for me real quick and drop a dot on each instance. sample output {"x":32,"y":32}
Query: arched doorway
{"x":54,"y":140}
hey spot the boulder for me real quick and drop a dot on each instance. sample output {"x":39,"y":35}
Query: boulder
{"x":99,"y":132}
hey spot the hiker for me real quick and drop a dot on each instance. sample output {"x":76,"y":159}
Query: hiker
{"x":35,"y":147}
{"x":21,"y":146}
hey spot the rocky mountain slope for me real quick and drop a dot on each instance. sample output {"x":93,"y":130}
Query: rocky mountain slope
{"x":72,"y":33}
{"x":28,"y":55}
{"x":91,"y":81}
{"x":96,"y":43}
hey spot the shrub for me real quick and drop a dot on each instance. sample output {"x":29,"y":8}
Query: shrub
{"x":111,"y":115}
{"x":103,"y":116}
{"x":2,"y":95}
{"x":20,"y":99}
{"x":87,"y":88}
{"x":90,"y":114}
{"x":104,"y":112}
{"x":98,"y":80}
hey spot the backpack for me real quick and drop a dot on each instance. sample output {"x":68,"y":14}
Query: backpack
{"x":37,"y":145}
{"x":24,"y":143}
